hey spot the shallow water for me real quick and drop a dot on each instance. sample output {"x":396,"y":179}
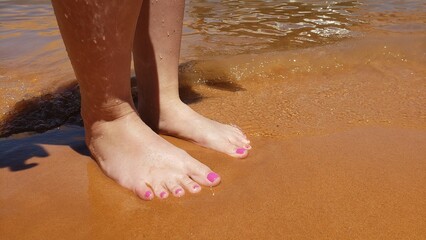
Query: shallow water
{"x":247,"y":26}
{"x":34,"y":62}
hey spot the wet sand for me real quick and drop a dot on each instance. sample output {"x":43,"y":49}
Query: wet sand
{"x":363,"y":183}
{"x":338,"y":153}
{"x":338,"y":136}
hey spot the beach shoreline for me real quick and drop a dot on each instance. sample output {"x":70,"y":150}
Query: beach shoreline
{"x":338,"y":134}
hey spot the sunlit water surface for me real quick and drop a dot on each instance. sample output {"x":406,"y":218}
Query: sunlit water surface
{"x":30,"y":37}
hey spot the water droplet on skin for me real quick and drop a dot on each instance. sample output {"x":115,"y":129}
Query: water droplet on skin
{"x":94,"y":40}
{"x":103,"y":38}
{"x":161,"y":57}
{"x":66,"y":16}
{"x":168,"y":34}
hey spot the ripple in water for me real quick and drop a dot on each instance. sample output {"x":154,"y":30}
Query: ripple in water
{"x":243,"y":26}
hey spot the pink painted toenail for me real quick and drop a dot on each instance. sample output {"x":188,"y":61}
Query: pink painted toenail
{"x":212,"y":176}
{"x":247,"y":146}
{"x":240,"y":151}
{"x":162,"y":194}
{"x":196,"y":187}
{"x":147,"y":194}
{"x":178,"y":191}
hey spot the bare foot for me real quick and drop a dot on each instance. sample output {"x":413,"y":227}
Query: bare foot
{"x":179,"y":120}
{"x":129,"y":152}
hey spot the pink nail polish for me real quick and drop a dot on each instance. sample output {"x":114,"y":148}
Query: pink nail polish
{"x":247,"y":146}
{"x":240,"y":151}
{"x":212,"y":176}
{"x":147,"y":194}
{"x":196,"y":187}
{"x":178,"y":191}
{"x":162,"y":194}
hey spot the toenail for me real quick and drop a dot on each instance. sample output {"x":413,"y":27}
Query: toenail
{"x":163,"y":194}
{"x":147,"y":194}
{"x":196,"y":187}
{"x":247,"y":146}
{"x":240,"y":151}
{"x":178,"y":191}
{"x":212,"y":176}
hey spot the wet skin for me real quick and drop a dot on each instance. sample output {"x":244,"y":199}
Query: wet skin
{"x":100,"y":37}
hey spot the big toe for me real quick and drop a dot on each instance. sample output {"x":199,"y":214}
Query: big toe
{"x":203,"y":175}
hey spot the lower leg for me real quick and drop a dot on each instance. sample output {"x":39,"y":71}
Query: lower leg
{"x":95,"y":34}
{"x":156,"y":57}
{"x":98,"y":36}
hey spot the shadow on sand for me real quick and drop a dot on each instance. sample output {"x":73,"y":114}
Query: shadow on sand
{"x":16,"y":151}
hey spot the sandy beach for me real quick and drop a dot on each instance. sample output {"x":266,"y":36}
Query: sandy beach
{"x":338,"y":134}
{"x":363,"y":183}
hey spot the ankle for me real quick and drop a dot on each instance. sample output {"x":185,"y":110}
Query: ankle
{"x":153,"y":114}
{"x":93,"y":115}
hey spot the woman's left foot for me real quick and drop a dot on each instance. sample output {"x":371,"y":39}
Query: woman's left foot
{"x":179,"y":120}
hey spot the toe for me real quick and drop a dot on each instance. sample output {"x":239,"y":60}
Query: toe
{"x":202,"y":174}
{"x":245,"y":141}
{"x":231,"y":146}
{"x":243,"y":138}
{"x":238,"y":138}
{"x":237,"y":131}
{"x":214,"y":178}
{"x":236,"y":128}
{"x":239,"y":152}
{"x":176,"y":189}
{"x":235,"y":148}
{"x":160,"y":191}
{"x":240,"y":142}
{"x":190,"y":185}
{"x":209,"y":179}
{"x":144,"y":192}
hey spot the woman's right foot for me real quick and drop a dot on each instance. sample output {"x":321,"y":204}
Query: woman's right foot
{"x":129,"y":152}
